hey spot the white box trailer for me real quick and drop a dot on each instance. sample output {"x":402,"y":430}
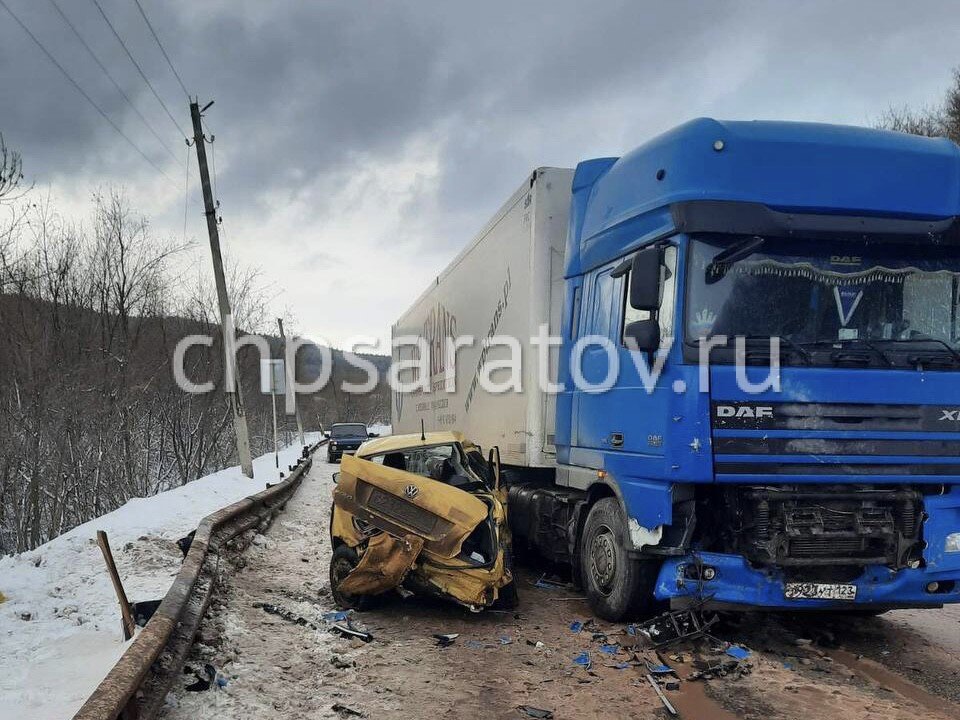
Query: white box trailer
{"x":509,"y":282}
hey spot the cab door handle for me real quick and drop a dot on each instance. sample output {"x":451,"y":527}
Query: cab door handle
{"x":616,"y":439}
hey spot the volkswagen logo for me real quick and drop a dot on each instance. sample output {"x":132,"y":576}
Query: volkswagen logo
{"x":411,"y":491}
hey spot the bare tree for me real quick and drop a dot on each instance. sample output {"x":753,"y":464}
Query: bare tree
{"x":940,"y":120}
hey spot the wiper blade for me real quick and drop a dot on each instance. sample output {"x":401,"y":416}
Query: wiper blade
{"x":842,"y":344}
{"x":927,"y":339}
{"x":722,"y":261}
{"x":792,"y":344}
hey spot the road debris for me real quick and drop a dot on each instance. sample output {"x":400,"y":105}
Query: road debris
{"x":446,"y":640}
{"x":676,"y":625}
{"x":737,"y":652}
{"x":583,"y":660}
{"x":533,"y":712}
{"x":545,"y":583}
{"x":285,"y":614}
{"x":143,"y":611}
{"x":185,"y":542}
{"x":348,"y":630}
{"x":663,"y":698}
{"x":205,"y":679}
{"x":344,"y":711}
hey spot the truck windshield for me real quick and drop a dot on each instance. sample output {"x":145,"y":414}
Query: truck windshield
{"x":881,"y":302}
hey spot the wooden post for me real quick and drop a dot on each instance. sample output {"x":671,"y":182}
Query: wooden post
{"x":127,"y":617}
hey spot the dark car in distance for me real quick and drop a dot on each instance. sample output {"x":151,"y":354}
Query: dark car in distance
{"x":346,"y":438}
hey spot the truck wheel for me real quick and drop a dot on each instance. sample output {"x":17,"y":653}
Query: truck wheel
{"x":618,"y":587}
{"x":344,"y":560}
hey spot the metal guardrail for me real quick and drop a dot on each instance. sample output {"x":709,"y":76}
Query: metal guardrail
{"x":135,"y":687}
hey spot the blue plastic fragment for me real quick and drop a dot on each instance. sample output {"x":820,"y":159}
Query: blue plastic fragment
{"x":337,"y":616}
{"x":583,"y":659}
{"x":660,"y":669}
{"x":740,"y":653}
{"x":505,"y":640}
{"x":632,"y":630}
{"x":621,"y":666}
{"x":576,"y":626}
{"x":610,"y":649}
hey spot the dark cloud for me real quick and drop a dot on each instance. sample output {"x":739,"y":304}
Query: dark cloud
{"x":465,"y":98}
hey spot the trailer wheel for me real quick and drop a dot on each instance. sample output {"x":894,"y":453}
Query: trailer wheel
{"x":618,"y":587}
{"x":344,"y":560}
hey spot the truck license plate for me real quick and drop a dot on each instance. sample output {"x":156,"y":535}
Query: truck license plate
{"x":819,"y":591}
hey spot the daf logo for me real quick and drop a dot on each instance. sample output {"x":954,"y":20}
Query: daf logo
{"x":951,"y":415}
{"x":411,"y":491}
{"x":746,"y":411}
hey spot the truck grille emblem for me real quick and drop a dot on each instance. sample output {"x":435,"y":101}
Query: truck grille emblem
{"x":411,"y":491}
{"x":745,"y":411}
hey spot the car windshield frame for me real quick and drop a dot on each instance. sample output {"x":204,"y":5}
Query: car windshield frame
{"x":839,"y":275}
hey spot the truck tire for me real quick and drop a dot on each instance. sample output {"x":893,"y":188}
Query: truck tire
{"x":343,"y":561}
{"x":617,"y":586}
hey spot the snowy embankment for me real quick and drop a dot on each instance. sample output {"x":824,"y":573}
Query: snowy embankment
{"x":60,"y":627}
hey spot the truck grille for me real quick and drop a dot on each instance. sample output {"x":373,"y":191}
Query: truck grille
{"x":824,"y":525}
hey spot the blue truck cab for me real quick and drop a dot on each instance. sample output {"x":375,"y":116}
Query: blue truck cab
{"x":823,"y":473}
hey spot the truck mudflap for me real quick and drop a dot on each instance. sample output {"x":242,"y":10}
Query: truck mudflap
{"x":733,"y":582}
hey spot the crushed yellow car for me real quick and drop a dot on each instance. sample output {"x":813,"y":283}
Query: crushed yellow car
{"x":421,"y":513}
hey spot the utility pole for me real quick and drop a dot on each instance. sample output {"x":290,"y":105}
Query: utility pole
{"x":290,"y":386}
{"x":232,"y":380}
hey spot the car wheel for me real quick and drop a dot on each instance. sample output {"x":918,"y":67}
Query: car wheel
{"x":342,"y":563}
{"x":618,"y":587}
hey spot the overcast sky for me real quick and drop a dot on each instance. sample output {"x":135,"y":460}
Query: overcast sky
{"x":360,"y":145}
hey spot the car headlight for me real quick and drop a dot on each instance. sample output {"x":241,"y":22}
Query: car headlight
{"x":333,"y":444}
{"x":952,"y":543}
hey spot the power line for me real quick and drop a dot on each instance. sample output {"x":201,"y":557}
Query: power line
{"x":160,"y":45}
{"x":89,"y":99}
{"x":137,"y":65}
{"x":111,"y":78}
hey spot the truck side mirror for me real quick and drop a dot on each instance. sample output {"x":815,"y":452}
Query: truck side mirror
{"x":645,"y":279}
{"x":643,"y":335}
{"x":493,"y":458}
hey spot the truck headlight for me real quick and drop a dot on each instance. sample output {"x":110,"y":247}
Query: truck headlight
{"x":952,"y":543}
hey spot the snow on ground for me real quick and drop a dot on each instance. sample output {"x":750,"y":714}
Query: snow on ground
{"x":380,"y":429}
{"x":60,"y":627}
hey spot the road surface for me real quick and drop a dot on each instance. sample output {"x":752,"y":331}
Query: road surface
{"x":904,"y":665}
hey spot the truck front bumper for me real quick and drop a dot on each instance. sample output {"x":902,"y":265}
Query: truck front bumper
{"x":736,"y":583}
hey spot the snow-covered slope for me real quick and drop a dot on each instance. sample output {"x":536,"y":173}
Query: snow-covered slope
{"x":60,"y":624}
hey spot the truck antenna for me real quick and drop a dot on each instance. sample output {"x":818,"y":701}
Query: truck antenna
{"x":423,"y":434}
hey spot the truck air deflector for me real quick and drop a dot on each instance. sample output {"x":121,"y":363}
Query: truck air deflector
{"x":744,"y":218}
